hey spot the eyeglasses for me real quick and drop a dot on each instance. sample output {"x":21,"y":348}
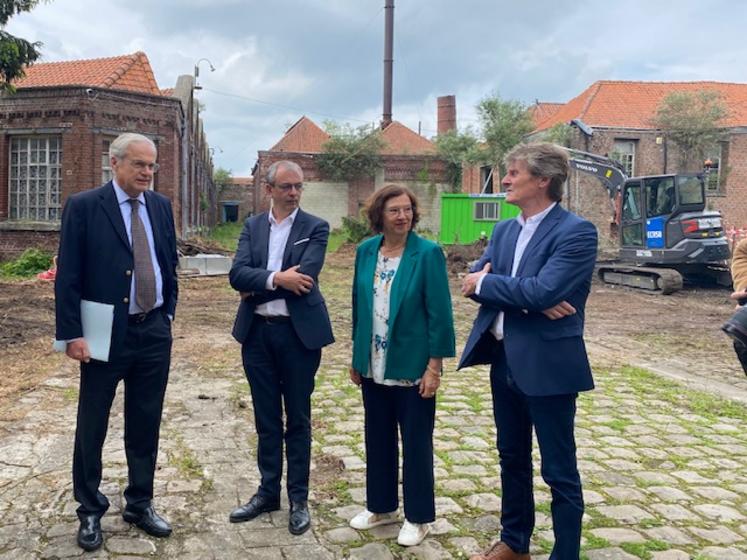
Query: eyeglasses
{"x":143,"y":165}
{"x":394,"y":212}
{"x":286,"y":187}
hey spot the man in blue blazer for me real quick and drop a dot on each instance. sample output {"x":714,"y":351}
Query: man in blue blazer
{"x":282,"y":325}
{"x":118,"y":247}
{"x":532,"y":283}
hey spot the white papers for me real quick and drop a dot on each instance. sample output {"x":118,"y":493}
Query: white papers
{"x":96,"y":320}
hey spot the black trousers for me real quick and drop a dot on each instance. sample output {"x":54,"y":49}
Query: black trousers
{"x":387,"y":409}
{"x":143,"y":364}
{"x":280,"y":371}
{"x":741,"y":351}
{"x":552,"y":418}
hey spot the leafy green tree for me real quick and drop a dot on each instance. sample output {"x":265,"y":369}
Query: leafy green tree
{"x":693,"y":122}
{"x":457,"y":149}
{"x":560,"y":134}
{"x":350,"y":152}
{"x":504,"y":125}
{"x":221,"y":178}
{"x":15,"y":52}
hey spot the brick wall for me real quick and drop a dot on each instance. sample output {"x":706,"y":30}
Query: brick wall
{"x":83,"y":121}
{"x":425,"y":174}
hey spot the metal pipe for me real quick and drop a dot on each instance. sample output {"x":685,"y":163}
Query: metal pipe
{"x":388,"y":61}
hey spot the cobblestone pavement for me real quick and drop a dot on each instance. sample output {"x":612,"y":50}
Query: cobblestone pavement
{"x":664,"y":466}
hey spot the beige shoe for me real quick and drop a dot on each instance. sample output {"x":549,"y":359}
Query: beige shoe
{"x":368,"y":520}
{"x":412,"y":534}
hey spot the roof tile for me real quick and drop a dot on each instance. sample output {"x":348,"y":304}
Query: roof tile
{"x":130,"y":72}
{"x":618,"y":104}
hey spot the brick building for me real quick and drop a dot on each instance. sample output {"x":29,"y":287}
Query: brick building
{"x":406,"y":158}
{"x":236,"y":199}
{"x":55,"y":133}
{"x":617,"y":118}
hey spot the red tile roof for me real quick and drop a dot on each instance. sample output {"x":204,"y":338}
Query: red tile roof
{"x":400,"y":140}
{"x":167,"y":92}
{"x":130,"y":72}
{"x":242,"y":181}
{"x":617,"y":104}
{"x":543,"y":110}
{"x":304,"y":136}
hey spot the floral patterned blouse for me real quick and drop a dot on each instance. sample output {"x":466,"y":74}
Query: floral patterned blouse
{"x":386,"y":269}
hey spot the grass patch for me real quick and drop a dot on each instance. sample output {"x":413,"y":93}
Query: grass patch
{"x":184,"y":460}
{"x":227,"y":235}
{"x":337,"y":238}
{"x":698,"y":402}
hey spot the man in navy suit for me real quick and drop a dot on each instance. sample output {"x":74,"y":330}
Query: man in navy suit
{"x":532,"y":283}
{"x":118,"y":247}
{"x":282,"y":325}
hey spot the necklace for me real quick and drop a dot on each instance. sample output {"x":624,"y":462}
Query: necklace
{"x":392,"y":251}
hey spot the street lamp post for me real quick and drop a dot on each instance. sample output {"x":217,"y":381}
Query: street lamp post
{"x":194,"y":119}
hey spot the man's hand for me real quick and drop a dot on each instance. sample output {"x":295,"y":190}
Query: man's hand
{"x":563,"y":309}
{"x":355,"y":377}
{"x":78,"y":350}
{"x":294,"y":281}
{"x":736,"y":296}
{"x":469,"y":284}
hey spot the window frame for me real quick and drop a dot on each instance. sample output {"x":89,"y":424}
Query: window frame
{"x":35,"y":178}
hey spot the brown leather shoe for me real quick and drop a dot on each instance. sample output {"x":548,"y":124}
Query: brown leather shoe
{"x":500,"y":551}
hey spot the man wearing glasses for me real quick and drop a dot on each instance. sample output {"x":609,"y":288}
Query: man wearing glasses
{"x":282,"y":325}
{"x":118,"y":248}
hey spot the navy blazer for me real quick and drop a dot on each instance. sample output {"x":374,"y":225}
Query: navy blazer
{"x":95,"y":260}
{"x":306,"y":246}
{"x":544,"y":357}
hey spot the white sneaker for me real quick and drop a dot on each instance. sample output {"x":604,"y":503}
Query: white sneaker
{"x":368,"y":520}
{"x":412,"y":534}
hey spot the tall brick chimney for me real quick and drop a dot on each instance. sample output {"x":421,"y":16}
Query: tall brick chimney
{"x":446,"y":113}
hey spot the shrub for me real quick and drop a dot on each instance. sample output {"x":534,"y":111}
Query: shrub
{"x":31,"y":262}
{"x":356,"y":229}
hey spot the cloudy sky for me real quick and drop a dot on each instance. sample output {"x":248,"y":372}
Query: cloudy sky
{"x":276,"y":60}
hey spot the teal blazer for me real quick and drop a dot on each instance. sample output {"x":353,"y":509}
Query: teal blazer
{"x":421,"y":324}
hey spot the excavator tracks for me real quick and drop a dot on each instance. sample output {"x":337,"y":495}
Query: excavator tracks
{"x":659,"y":280}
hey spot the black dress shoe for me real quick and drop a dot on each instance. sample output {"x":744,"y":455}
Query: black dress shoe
{"x":257,"y":505}
{"x":148,"y":520}
{"x":90,"y":536}
{"x":299,"y":520}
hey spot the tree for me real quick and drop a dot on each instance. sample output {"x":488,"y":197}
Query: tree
{"x":221,"y":178}
{"x":693,"y":122}
{"x":560,"y":134}
{"x":350,"y":152}
{"x":504,"y":125}
{"x":15,"y":53}
{"x":456,"y":149}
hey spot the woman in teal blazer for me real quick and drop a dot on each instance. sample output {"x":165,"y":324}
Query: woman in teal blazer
{"x":402,"y":329}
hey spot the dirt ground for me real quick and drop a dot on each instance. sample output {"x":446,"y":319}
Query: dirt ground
{"x":621,"y":323}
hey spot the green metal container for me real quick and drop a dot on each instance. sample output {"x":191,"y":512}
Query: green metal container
{"x":467,"y":217}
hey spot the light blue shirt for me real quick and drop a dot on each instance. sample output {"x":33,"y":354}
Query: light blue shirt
{"x":126,"y":209}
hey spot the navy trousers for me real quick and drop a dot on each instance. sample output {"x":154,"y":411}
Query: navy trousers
{"x":387,"y":409}
{"x":143,"y":365}
{"x":553,"y":420}
{"x":280,"y":371}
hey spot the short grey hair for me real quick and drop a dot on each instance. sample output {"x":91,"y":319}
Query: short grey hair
{"x":121,"y":143}
{"x":543,"y":160}
{"x":284,"y":164}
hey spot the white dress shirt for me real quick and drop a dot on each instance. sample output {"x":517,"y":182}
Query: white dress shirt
{"x":279,"y":232}
{"x":528,"y":229}
{"x":126,"y":209}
